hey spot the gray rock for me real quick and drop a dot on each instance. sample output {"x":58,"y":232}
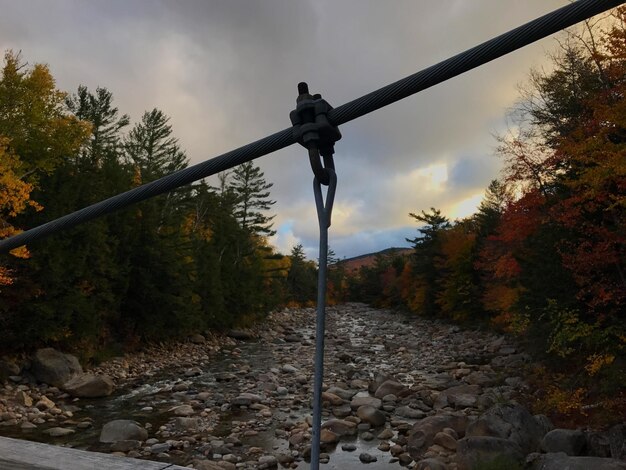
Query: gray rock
{"x":122,"y":430}
{"x":462,"y":396}
{"x":561,"y":461}
{"x":183,"y":410}
{"x":186,"y":424}
{"x":328,"y":437}
{"x":610,"y":443}
{"x":544,"y":423}
{"x":423,"y":433}
{"x":240,"y":335}
{"x":59,"y":432}
{"x":379,"y":378}
{"x":342,"y":411}
{"x":206,"y":465}
{"x":345,"y":394}
{"x":8,"y":368}
{"x":480,"y":378}
{"x":408,"y":412}
{"x":473,"y":451}
{"x":340,"y":427}
{"x":367,"y":458}
{"x":268,"y":461}
{"x":348,"y":447}
{"x":53,"y":367}
{"x":389,"y":387}
{"x":370,"y":401}
{"x":160,"y":447}
{"x":371,"y":415}
{"x":24,"y":399}
{"x":512,"y":422}
{"x":246,"y":399}
{"x":125,"y":446}
{"x":89,"y":386}
{"x":44,"y":403}
{"x":431,"y":464}
{"x":569,"y":441}
{"x":404,"y":459}
{"x":445,"y":440}
{"x":197,"y":339}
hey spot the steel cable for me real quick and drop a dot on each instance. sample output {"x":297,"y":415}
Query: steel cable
{"x":474,"y":57}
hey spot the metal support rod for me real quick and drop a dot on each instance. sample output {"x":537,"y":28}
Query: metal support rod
{"x":324,"y":211}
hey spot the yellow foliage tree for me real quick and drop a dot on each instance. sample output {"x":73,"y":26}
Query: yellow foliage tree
{"x":14,"y":199}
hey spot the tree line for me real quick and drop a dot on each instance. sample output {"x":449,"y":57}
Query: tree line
{"x":196,"y":258}
{"x":544,"y":257}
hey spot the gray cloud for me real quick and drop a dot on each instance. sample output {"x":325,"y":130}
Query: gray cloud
{"x":226,"y":72}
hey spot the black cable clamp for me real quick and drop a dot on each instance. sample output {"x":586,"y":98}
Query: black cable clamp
{"x":313,"y":130}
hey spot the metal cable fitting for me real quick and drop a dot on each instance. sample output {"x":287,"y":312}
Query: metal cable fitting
{"x":313,"y":130}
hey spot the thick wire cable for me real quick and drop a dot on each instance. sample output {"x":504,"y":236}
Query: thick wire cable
{"x":474,"y":57}
{"x":175,"y":180}
{"x":324,"y":213}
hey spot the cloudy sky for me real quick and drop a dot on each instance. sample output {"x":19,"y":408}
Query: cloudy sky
{"x":226,"y":72}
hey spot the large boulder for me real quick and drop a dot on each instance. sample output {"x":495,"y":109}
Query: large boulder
{"x":423,"y":433}
{"x":474,"y":451}
{"x":569,"y":441}
{"x":89,"y":386}
{"x":53,"y":367}
{"x":460,"y":396}
{"x":122,"y":430}
{"x":340,"y":427}
{"x":562,"y":461}
{"x":389,"y":387}
{"x":379,"y":379}
{"x":609,"y":443}
{"x":361,"y":401}
{"x":510,"y":421}
{"x":371,"y":415}
{"x":241,"y":335}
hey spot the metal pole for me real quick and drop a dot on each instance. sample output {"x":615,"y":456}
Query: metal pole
{"x":323,"y":215}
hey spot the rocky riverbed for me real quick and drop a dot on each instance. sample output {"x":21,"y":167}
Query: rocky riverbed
{"x":398,"y":391}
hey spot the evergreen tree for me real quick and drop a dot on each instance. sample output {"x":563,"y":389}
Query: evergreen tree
{"x":427,"y":257}
{"x":152,"y":148}
{"x":302,"y":278}
{"x":160,"y":300}
{"x":106,"y":124}
{"x":253,"y":201}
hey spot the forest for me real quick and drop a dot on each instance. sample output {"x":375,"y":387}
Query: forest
{"x":543,"y":258}
{"x":194,"y":259}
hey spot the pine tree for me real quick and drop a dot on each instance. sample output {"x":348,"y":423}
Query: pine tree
{"x":301,"y":279}
{"x":253,"y":202}
{"x":152,"y":148}
{"x":160,"y":299}
{"x":427,"y":258}
{"x":106,"y":124}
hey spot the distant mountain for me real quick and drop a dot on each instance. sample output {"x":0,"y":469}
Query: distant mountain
{"x":354,"y":264}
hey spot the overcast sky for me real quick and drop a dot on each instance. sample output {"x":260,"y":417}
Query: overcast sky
{"x":226,"y":72}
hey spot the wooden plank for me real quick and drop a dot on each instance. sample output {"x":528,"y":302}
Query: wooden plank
{"x":16,"y":454}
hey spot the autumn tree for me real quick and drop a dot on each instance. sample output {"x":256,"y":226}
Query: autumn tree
{"x":14,"y":199}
